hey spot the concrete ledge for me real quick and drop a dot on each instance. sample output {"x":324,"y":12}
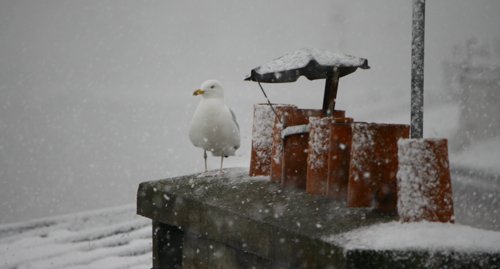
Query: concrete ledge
{"x":234,"y":221}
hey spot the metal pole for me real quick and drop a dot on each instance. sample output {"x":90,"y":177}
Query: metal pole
{"x":417,"y":69}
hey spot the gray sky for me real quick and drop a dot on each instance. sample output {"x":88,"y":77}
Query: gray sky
{"x":95,"y":96}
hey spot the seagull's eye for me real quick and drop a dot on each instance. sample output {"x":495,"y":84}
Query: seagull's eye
{"x":213,"y":86}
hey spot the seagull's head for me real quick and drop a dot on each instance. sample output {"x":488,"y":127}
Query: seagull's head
{"x":210,"y":89}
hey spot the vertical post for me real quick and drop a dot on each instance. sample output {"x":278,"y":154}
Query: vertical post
{"x":330,"y":96}
{"x":417,"y":69}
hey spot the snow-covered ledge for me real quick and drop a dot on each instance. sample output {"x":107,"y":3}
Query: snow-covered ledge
{"x":230,"y":220}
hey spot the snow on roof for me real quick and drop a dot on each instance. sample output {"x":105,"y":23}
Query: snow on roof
{"x":300,"y":58}
{"x":420,"y":235}
{"x":107,"y":238}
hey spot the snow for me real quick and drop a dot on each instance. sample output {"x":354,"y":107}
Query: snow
{"x":108,"y":238}
{"x":115,"y":118}
{"x":418,"y":178}
{"x":295,"y":129}
{"x":420,"y":235}
{"x":118,"y":238}
{"x":318,"y":142}
{"x":301,"y":57}
{"x":263,"y":126}
{"x":228,"y":176}
{"x":278,"y":150}
{"x":262,"y":134}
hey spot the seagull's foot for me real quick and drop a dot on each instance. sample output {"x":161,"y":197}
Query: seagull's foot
{"x":220,"y":172}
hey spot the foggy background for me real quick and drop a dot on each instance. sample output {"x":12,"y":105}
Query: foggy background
{"x":96,"y":96}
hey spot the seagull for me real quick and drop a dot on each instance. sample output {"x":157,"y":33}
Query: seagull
{"x":214,"y":127}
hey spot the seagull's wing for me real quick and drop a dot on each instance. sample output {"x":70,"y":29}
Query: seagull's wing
{"x":234,"y":119}
{"x":237,"y":126}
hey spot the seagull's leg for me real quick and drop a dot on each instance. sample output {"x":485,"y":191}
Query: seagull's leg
{"x":221,"y":161}
{"x":205,"y":157}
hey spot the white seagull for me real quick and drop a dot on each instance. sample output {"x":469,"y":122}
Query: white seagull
{"x":214,"y":127}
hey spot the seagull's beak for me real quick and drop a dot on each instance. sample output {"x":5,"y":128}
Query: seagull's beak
{"x":198,"y":92}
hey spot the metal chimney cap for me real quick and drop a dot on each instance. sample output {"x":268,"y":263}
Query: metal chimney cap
{"x":309,"y":62}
